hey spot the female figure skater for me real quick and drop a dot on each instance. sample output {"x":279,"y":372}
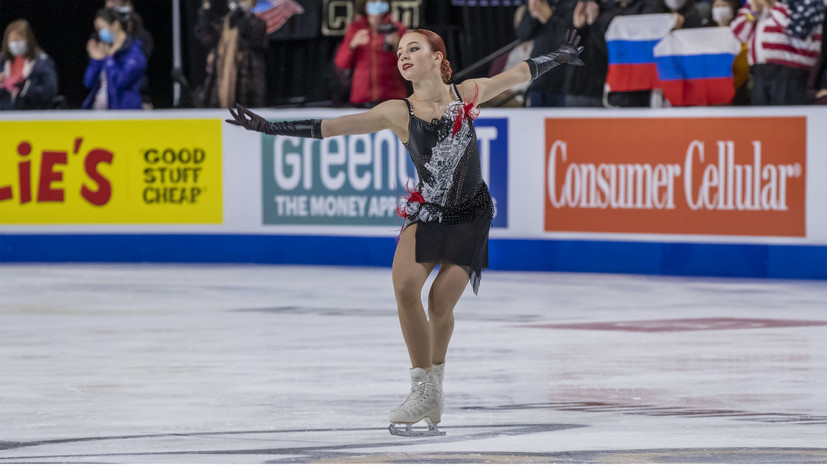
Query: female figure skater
{"x":448,"y":216}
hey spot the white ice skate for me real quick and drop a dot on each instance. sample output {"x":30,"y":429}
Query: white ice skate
{"x":439,"y":370}
{"x":423,"y":403}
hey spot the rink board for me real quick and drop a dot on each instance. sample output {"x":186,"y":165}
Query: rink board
{"x":706,"y":191}
{"x":677,"y":259}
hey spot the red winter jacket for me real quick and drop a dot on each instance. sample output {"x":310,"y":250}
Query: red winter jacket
{"x":375,"y":75}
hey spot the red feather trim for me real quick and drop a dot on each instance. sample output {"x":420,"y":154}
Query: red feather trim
{"x":467,"y":109}
{"x":413,"y":196}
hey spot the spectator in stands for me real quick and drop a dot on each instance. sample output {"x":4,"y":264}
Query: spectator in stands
{"x":820,"y":73}
{"x":368,"y":54}
{"x":723,"y":12}
{"x":721,"y":15}
{"x":806,"y":17}
{"x":686,"y":12}
{"x":116,"y":67}
{"x":134,"y":24}
{"x":779,"y":64}
{"x":236,"y":64}
{"x":515,"y":96}
{"x":28,"y":80}
{"x":584,"y":85}
{"x":546,"y":24}
{"x":135,"y":29}
{"x":640,"y":98}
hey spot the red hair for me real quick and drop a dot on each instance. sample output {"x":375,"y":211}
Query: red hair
{"x":437,"y":45}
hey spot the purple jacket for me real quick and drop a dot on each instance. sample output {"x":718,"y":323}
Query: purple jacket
{"x":124,"y":77}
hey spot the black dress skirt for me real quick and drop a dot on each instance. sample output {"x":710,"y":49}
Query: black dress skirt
{"x":451,"y":204}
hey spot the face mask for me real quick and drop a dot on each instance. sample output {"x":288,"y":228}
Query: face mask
{"x":377,"y":8}
{"x":722,"y":15}
{"x":17,"y":47}
{"x":125,"y":11}
{"x":106,"y":36}
{"x":674,"y":4}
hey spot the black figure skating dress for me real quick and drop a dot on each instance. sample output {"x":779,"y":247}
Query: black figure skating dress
{"x":451,"y":203}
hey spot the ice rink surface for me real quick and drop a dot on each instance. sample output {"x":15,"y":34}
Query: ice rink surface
{"x":277,"y":364}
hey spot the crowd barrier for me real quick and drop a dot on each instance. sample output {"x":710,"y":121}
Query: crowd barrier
{"x":691,"y":191}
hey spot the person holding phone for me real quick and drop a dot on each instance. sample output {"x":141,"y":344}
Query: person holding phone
{"x":117,"y":65}
{"x":368,"y":54}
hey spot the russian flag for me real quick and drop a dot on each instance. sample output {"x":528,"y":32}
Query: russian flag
{"x":695,"y":66}
{"x":631,"y":41}
{"x":276,"y":12}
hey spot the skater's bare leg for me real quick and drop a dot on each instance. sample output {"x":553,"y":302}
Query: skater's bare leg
{"x":408,"y":279}
{"x":445,"y":292}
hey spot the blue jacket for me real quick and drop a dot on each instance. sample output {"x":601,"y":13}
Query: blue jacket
{"x":37,"y":91}
{"x":124,"y":77}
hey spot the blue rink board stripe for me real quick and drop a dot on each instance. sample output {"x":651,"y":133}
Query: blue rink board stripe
{"x":682,"y":259}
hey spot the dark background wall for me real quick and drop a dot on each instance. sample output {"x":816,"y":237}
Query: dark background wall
{"x":299,"y":72}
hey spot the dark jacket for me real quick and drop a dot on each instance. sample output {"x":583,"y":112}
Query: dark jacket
{"x":248,"y":85}
{"x":37,"y":91}
{"x":124,"y":77}
{"x":588,"y":80}
{"x":547,"y":38}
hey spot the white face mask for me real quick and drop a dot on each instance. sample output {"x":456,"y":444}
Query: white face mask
{"x":674,"y":4}
{"x":722,"y":15}
{"x":18,"y":47}
{"x":125,"y":11}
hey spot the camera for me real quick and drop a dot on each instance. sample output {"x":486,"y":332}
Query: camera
{"x":386,"y":29}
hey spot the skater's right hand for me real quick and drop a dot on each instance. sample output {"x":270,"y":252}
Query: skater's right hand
{"x":242,"y":116}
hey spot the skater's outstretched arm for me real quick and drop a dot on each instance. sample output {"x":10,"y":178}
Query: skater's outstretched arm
{"x":387,"y":115}
{"x":527,"y":70}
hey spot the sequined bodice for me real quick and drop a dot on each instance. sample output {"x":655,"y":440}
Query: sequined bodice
{"x":448,"y":165}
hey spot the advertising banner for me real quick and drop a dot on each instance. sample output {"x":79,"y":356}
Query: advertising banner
{"x":357,"y":180}
{"x":111,"y":172}
{"x":718,"y":176}
{"x":337,"y":14}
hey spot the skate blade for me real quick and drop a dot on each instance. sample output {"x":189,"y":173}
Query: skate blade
{"x":408,"y":430}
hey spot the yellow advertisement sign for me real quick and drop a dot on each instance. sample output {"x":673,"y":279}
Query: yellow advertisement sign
{"x":110,"y":172}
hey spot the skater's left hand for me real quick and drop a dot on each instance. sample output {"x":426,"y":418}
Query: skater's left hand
{"x":242,"y":116}
{"x":569,"y":50}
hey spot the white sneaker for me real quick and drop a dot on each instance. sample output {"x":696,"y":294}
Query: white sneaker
{"x":423,"y":403}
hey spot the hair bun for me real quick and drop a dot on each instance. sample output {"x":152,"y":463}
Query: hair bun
{"x":446,"y":70}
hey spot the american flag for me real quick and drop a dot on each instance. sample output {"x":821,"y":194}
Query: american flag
{"x":276,"y":12}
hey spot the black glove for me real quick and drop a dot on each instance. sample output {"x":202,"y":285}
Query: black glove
{"x":566,"y":54}
{"x":242,"y":116}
